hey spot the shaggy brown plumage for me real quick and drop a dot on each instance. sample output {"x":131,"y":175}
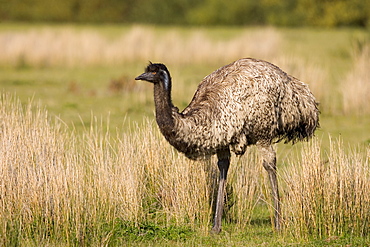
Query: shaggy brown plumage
{"x":246,"y":102}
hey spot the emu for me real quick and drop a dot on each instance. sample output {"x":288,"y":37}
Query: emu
{"x":247,"y":102}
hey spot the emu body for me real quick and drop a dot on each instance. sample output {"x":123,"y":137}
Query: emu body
{"x":247,"y":102}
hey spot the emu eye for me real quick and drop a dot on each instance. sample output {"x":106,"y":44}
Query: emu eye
{"x":154,"y":73}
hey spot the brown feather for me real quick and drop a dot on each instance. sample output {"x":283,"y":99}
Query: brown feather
{"x":246,"y":102}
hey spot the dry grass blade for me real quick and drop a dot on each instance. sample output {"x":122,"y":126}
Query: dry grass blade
{"x":328,"y":198}
{"x":60,"y":185}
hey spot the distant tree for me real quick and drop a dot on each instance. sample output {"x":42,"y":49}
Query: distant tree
{"x":101,"y":10}
{"x":331,"y":13}
{"x":36,"y":10}
{"x":217,"y":12}
{"x":282,"y":13}
{"x":328,"y":13}
{"x":161,"y":11}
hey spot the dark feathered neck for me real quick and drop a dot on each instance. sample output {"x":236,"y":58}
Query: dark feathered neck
{"x":163,"y":105}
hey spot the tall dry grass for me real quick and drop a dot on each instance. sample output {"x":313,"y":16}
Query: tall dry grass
{"x":355,"y":88}
{"x":245,"y":188}
{"x":67,"y":46}
{"x":328,"y":196}
{"x":60,"y":186}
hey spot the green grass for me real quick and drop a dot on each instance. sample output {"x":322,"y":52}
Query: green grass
{"x":258,"y":233}
{"x":52,"y":87}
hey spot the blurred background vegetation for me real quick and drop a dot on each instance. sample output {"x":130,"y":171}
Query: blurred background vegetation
{"x":323,"y":13}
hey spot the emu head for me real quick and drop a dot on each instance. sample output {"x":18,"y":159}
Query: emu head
{"x":156,"y":73}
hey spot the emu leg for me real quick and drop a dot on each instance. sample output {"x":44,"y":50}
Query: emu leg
{"x":223,"y":165}
{"x":269,"y":163}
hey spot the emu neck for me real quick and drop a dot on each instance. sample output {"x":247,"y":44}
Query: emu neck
{"x":163,"y":107}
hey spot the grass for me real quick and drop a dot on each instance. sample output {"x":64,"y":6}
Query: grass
{"x":57,"y":46}
{"x":90,"y":188}
{"x":328,"y":192}
{"x":91,"y":170}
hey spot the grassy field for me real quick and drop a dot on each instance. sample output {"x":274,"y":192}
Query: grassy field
{"x":82,"y":162}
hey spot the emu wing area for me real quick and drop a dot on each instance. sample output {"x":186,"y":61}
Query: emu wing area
{"x":243,"y":103}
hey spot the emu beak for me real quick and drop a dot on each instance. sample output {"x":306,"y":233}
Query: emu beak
{"x":145,"y":77}
{"x":140,"y":77}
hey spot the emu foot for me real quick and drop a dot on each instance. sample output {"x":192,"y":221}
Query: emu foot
{"x":216,"y":230}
